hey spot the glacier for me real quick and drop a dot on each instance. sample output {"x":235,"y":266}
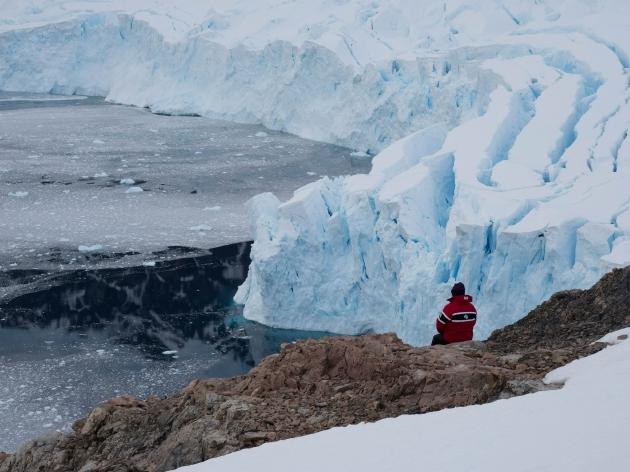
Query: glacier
{"x":302,"y":87}
{"x":500,"y":129}
{"x":528,"y":198}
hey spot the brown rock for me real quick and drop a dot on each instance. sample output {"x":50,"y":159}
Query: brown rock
{"x":94,"y":420}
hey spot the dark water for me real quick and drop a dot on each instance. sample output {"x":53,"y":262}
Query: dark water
{"x":72,"y":339}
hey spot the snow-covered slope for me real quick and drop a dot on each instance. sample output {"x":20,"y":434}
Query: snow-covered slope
{"x":513,"y":115}
{"x":581,"y":427}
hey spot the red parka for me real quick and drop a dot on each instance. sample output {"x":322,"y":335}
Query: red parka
{"x":457,"y":320}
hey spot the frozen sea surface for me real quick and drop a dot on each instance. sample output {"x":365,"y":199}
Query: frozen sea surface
{"x":81,"y":177}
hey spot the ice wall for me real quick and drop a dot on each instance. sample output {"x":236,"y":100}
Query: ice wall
{"x":306,"y":90}
{"x":528,"y":198}
{"x":360,"y":73}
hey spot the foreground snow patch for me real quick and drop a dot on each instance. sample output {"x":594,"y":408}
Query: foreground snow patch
{"x":580,"y":428}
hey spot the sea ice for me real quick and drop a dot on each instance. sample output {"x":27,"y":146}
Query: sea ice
{"x":92,"y":248}
{"x":201,"y":228}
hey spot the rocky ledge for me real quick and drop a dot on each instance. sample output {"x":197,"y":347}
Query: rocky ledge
{"x":314,"y":385}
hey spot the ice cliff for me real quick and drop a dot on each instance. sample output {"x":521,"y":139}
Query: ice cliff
{"x":506,"y":123}
{"x":320,"y":81}
{"x":525,"y":199}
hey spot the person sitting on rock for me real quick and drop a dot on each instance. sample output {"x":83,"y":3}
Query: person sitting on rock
{"x":457,"y":320}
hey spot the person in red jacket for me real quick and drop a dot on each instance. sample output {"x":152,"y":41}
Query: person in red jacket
{"x":457,"y":320}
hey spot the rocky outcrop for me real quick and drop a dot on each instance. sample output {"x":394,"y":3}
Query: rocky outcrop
{"x":570,"y":319}
{"x":314,"y":385}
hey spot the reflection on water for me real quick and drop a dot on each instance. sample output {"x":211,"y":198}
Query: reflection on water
{"x":76,"y":338}
{"x":153,"y":309}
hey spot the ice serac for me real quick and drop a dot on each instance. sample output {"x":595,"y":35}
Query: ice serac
{"x":527,"y":198}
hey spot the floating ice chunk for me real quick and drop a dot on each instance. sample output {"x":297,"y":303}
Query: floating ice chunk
{"x":100,"y":352}
{"x":100,"y":175}
{"x":92,"y":248}
{"x":359,"y":154}
{"x":18,"y":194}
{"x":134,"y":190}
{"x":311,"y":173}
{"x":212,"y":208}
{"x":261,"y":134}
{"x":148,"y":263}
{"x":98,"y":141}
{"x":169,"y":353}
{"x":201,"y":228}
{"x":127,"y":181}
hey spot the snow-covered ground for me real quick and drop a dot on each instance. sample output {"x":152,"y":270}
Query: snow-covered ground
{"x":510,"y":175}
{"x":79,"y":177}
{"x":579,"y":428}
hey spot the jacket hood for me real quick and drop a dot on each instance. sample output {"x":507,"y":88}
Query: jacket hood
{"x":461,"y":299}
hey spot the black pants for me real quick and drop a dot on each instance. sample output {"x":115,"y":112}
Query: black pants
{"x":438,"y":339}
